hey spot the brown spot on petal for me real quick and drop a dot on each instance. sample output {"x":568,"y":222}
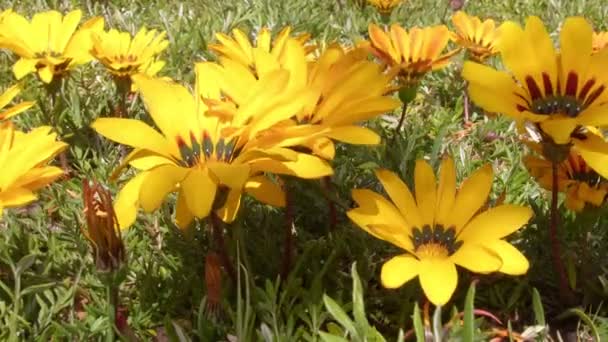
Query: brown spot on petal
{"x":533,"y":88}
{"x":571,"y":84}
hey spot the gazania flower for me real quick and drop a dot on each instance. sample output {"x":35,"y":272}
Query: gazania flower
{"x":479,"y":38}
{"x":411,"y":54}
{"x":385,"y":6}
{"x":6,"y":97}
{"x":581,"y":184}
{"x":440,"y":227}
{"x":209,"y":160}
{"x":559,"y":91}
{"x":239,"y":49}
{"x":125,"y":57}
{"x":102,"y":229}
{"x":50,"y":44}
{"x":600,"y":41}
{"x":23,"y":159}
{"x":346,"y":89}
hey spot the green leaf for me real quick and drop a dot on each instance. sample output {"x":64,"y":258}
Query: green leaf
{"x":418,"y":326}
{"x":339,"y":315}
{"x":331,"y":338}
{"x":38,"y":288}
{"x":358,"y":305}
{"x":585,"y":318}
{"x":537,"y":306}
{"x":25,"y":263}
{"x":469,"y":315}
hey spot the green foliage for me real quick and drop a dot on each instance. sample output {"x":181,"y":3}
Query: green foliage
{"x":49,"y":288}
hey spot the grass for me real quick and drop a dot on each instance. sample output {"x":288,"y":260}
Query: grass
{"x":45,"y":260}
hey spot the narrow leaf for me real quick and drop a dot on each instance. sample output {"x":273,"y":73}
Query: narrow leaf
{"x":339,"y":315}
{"x":418,"y":326}
{"x":469,"y":314}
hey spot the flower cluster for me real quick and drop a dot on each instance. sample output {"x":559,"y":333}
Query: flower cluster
{"x":271,"y":107}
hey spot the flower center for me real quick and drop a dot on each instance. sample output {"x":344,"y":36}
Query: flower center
{"x":549,"y":99}
{"x":578,"y":170}
{"x":192,"y":155}
{"x":125,"y":59}
{"x":556,"y":105}
{"x":435,"y":241}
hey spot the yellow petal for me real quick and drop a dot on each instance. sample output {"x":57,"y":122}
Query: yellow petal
{"x":183,"y":215}
{"x":575,"y":43}
{"x":199,"y":191}
{"x":494,"y":91}
{"x":133,"y":133}
{"x":46,"y":74}
{"x":232,"y":175}
{"x":438,"y":278}
{"x":157,"y":184}
{"x":446,"y":192}
{"x":265,"y":191}
{"x":426,"y":191}
{"x":127,"y":201}
{"x":230,"y":209}
{"x":477,"y":258}
{"x":380,"y":218}
{"x":399,"y":270}
{"x":38,"y":177}
{"x":306,"y":166}
{"x":9,"y":94}
{"x":402,"y":197}
{"x":170,"y":105}
{"x":23,"y":67}
{"x":559,"y":129}
{"x":513,"y":262}
{"x":495,"y":223}
{"x":15,"y":197}
{"x":472,"y":195}
{"x":354,"y":135}
{"x":16,"y":109}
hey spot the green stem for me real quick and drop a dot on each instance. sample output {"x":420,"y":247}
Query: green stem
{"x":16,"y":307}
{"x":401,"y":120}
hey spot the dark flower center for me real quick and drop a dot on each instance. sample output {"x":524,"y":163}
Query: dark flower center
{"x":548,"y":98}
{"x":221,"y":151}
{"x":437,"y":235}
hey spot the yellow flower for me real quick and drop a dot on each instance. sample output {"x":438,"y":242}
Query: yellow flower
{"x":385,"y":6}
{"x":479,"y":38}
{"x":6,"y":97}
{"x":411,"y":54}
{"x":50,"y":44}
{"x":558,"y":91}
{"x":581,"y":184}
{"x":346,"y":89}
{"x":440,"y":228}
{"x":600,"y":41}
{"x":125,"y":57}
{"x":23,"y":159}
{"x":239,"y":49}
{"x":102,"y":229}
{"x":209,"y":160}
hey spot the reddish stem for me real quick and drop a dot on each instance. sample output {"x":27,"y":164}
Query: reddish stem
{"x":331,"y":206}
{"x":560,"y":269}
{"x":218,"y":236}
